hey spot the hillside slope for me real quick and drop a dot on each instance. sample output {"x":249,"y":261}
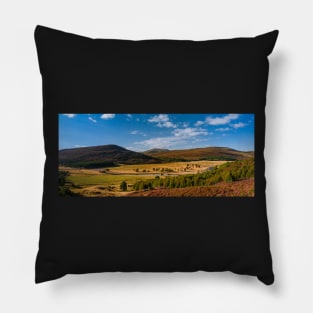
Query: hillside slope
{"x":227,"y":172}
{"x":242,"y":188}
{"x":208,"y":153}
{"x":101,"y":156}
{"x":154,"y":151}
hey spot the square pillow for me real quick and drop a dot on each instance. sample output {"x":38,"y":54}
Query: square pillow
{"x":154,"y":155}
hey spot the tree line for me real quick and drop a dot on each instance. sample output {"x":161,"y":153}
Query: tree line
{"x":228,"y":172}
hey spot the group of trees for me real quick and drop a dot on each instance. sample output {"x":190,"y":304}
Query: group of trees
{"x":64,"y":189}
{"x":227,"y":172}
{"x":123,"y":186}
{"x":156,"y":169}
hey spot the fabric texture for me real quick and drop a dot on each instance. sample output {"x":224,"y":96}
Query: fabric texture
{"x":81,"y":234}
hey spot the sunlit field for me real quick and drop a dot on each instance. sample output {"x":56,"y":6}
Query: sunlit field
{"x":107,"y":181}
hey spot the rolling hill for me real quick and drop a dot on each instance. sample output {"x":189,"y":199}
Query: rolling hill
{"x":102,"y":156}
{"x":154,"y":151}
{"x":208,"y":153}
{"x":112,"y":155}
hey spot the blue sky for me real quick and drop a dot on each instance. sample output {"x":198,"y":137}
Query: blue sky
{"x":140,"y":132}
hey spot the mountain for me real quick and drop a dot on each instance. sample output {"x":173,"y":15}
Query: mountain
{"x":112,"y":155}
{"x":208,"y":153}
{"x":154,"y":151}
{"x":102,"y":156}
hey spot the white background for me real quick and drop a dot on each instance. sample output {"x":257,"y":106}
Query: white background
{"x":288,"y":155}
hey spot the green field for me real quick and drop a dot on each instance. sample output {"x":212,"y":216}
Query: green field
{"x":105,"y":179}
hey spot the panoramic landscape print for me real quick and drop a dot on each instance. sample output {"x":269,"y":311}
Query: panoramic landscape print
{"x":156,"y":155}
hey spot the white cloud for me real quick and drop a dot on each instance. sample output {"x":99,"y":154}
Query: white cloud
{"x":226,"y":119}
{"x":70,"y":115}
{"x":215,"y":121}
{"x":168,"y":125}
{"x":223,"y":129}
{"x":199,"y":123}
{"x":129,"y":115}
{"x":92,"y":119}
{"x":160,"y":142}
{"x":107,"y":116}
{"x":189,"y":132}
{"x":238,"y":125}
{"x":131,"y":148}
{"x":162,"y":120}
{"x":180,"y":136}
{"x":137,"y":132}
{"x":159,"y":118}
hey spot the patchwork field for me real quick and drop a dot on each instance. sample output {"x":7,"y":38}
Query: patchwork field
{"x":107,"y":181}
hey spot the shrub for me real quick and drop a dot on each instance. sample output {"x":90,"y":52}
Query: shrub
{"x":123,"y":186}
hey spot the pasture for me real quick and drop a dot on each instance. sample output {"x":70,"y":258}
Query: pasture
{"x":104,"y":182}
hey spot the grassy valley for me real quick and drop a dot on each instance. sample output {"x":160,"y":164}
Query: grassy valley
{"x":112,"y":171}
